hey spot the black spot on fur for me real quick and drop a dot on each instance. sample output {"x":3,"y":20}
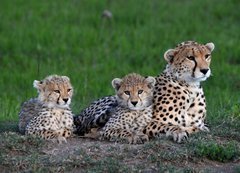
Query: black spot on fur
{"x":150,"y":133}
{"x":193,"y":104}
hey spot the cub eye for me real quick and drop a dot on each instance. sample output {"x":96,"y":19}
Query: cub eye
{"x":69,"y":90}
{"x":192,"y":58}
{"x":57,"y":91}
{"x":207,"y":56}
{"x":140,"y":91}
{"x":127,"y":93}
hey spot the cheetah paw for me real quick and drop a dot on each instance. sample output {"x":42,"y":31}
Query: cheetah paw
{"x":94,"y":134}
{"x":178,"y":135}
{"x":138,"y":139}
{"x":204,"y":128}
{"x":61,"y":139}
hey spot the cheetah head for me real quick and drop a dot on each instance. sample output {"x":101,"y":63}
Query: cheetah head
{"x":190,"y":61}
{"x":54,"y":91}
{"x":134,"y":91}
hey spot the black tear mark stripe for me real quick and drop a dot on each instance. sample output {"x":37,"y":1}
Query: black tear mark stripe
{"x":58,"y":99}
{"x":49,"y":94}
{"x":195,"y":63}
{"x":59,"y":94}
{"x":194,"y":68}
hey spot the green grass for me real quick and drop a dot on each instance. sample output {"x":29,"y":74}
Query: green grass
{"x":70,"y":38}
{"x":218,"y":152}
{"x":39,"y":38}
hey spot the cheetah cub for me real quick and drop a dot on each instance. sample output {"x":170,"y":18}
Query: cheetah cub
{"x":134,"y":95}
{"x":49,"y":115}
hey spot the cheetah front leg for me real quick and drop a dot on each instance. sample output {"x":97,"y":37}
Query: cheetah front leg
{"x":139,"y":138}
{"x":52,"y":135}
{"x":94,"y":133}
{"x":202,"y":127}
{"x":120,"y":134}
{"x":177,"y":133}
{"x":154,"y":129}
{"x":59,"y":135}
{"x":62,"y":134}
{"x":117,"y":135}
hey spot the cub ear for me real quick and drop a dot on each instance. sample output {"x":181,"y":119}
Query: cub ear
{"x":66,"y":78}
{"x":116,"y":83}
{"x":169,"y":55}
{"x":38,"y":85}
{"x":151,"y":81}
{"x":210,"y":46}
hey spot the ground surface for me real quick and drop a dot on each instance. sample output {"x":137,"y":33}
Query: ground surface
{"x":204,"y":152}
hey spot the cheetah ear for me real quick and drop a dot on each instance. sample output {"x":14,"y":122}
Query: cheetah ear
{"x":210,"y":46}
{"x":151,"y":81}
{"x":169,"y":55}
{"x":38,"y":85}
{"x":66,"y":78}
{"x":116,"y":83}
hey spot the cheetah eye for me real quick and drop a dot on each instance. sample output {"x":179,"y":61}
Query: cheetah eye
{"x":140,"y":91}
{"x":69,"y":90}
{"x":127,"y":93}
{"x":192,"y":58}
{"x":57,"y":91}
{"x":207,"y":56}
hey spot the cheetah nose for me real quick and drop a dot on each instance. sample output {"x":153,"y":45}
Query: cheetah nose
{"x":134,"y":103}
{"x":204,"y":71}
{"x":65,"y":100}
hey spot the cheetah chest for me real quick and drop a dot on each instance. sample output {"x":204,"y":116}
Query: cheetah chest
{"x":178,"y":103}
{"x":60,"y":118}
{"x":197,"y":108}
{"x":131,"y":119}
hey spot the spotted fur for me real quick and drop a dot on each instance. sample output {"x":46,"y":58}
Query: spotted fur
{"x":134,"y":95}
{"x":128,"y":111}
{"x":179,"y":102}
{"x":94,"y":116}
{"x":49,"y":115}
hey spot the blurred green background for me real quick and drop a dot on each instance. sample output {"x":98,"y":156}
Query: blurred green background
{"x":70,"y":37}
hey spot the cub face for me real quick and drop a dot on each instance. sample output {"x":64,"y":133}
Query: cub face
{"x":54,"y":91}
{"x":134,"y":91}
{"x":190,"y":61}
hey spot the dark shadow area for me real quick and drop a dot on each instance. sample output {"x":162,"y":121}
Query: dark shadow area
{"x":9,"y":126}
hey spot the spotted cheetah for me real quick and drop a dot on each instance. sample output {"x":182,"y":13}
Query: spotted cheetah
{"x":179,"y":102}
{"x":48,"y":116}
{"x":94,"y":117}
{"x":134,"y":95}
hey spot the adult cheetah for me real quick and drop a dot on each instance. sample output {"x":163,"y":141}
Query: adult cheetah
{"x":49,"y":115}
{"x":179,"y":102}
